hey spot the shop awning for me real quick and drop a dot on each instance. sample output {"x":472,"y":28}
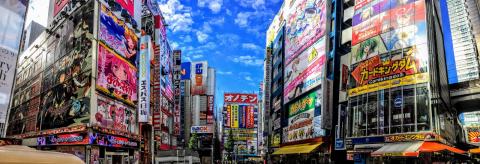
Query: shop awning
{"x":298,"y":149}
{"x":413,"y":149}
{"x":474,"y":151}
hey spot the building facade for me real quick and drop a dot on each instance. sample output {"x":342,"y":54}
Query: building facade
{"x":396,"y":93}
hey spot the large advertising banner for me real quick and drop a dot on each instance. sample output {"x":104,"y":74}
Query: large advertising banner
{"x":116,"y":35}
{"x":144,"y":79}
{"x":301,"y":114}
{"x":185,"y":72}
{"x":250,"y":117}
{"x":199,"y":77}
{"x":305,"y":72}
{"x":11,"y":23}
{"x":305,"y":24}
{"x":115,"y":75}
{"x":241,"y":116}
{"x":58,"y":6}
{"x":114,"y":115}
{"x":240,"y":98}
{"x":391,"y":70}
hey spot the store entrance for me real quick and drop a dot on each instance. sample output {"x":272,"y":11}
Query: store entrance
{"x":116,"y":158}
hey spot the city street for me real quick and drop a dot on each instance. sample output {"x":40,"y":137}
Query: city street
{"x":240,"y":81}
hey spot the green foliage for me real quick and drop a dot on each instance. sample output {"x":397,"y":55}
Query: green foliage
{"x":193,"y":142}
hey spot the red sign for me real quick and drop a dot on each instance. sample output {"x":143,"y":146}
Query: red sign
{"x":250,"y":117}
{"x":210,"y":110}
{"x":240,"y":98}
{"x":58,"y":6}
{"x":127,"y":5}
{"x":373,"y":70}
{"x":344,"y":77}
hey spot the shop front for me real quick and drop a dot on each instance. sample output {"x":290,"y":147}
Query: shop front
{"x":403,"y":148}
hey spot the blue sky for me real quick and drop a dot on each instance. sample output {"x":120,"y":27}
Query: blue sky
{"x":229,"y":34}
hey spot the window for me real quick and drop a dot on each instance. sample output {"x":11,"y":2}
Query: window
{"x":396,"y":111}
{"x":372,"y":115}
{"x":408,"y":109}
{"x":423,"y":118}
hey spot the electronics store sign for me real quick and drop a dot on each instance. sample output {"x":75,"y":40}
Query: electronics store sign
{"x":201,"y":129}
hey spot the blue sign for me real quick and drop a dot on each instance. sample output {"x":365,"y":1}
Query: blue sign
{"x":367,"y":140}
{"x":398,"y":102}
{"x":185,"y":72}
{"x":339,"y":144}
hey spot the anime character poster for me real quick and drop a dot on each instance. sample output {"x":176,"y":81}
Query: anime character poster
{"x":366,"y":29}
{"x":116,"y":35}
{"x":405,"y":37}
{"x":366,"y":12}
{"x":306,"y":23}
{"x":114,"y":115}
{"x":367,"y":49}
{"x":128,"y":5}
{"x":305,"y":72}
{"x":115,"y":75}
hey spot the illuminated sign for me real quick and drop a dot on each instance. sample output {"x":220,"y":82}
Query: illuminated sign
{"x":111,"y":141}
{"x":144,"y":79}
{"x":63,"y":139}
{"x":240,"y":98}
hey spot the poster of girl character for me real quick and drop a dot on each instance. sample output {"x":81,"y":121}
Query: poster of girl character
{"x":114,"y":115}
{"x":116,"y":76}
{"x":116,"y":35}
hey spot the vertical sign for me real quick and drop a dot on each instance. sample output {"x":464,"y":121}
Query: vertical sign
{"x":344,"y":77}
{"x":177,"y":55}
{"x":241,"y":116}
{"x":144,"y":79}
{"x":247,"y":117}
{"x":210,"y":110}
{"x":234,"y":116}
{"x":199,"y":78}
{"x":229,"y":116}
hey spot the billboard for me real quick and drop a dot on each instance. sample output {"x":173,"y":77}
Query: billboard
{"x":305,"y":72}
{"x":301,"y":115}
{"x":185,"y":72}
{"x":390,"y":45}
{"x":395,"y":69}
{"x":250,"y":117}
{"x":11,"y":23}
{"x":240,"y":98}
{"x":199,"y":77}
{"x":115,"y":75}
{"x":305,"y":24}
{"x":117,"y":36}
{"x":144,"y":79}
{"x":63,"y":139}
{"x":113,"y":114}
{"x":128,"y":5}
{"x":58,"y":6}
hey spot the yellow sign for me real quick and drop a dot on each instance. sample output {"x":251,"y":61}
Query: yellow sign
{"x":407,"y":80}
{"x":234,"y":116}
{"x":409,"y":137}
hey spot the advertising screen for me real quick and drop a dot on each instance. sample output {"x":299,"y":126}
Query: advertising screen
{"x":144,"y":79}
{"x":114,"y":115}
{"x":115,"y":75}
{"x":305,"y":24}
{"x":116,"y":35}
{"x":305,"y":72}
{"x":63,"y":139}
{"x":389,"y":45}
{"x":301,"y":115}
{"x":199,"y":77}
{"x":111,"y":141}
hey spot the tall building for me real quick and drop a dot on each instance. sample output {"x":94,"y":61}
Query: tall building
{"x":396,"y":103}
{"x":265,"y":110}
{"x":300,"y":116}
{"x":12,"y":20}
{"x":76,"y":89}
{"x":462,"y":43}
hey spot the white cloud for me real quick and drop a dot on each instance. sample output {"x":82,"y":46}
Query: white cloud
{"x":224,"y":72}
{"x":217,"y":21}
{"x":251,"y":46}
{"x":248,"y":19}
{"x":248,"y":60}
{"x":174,"y":45}
{"x":248,"y":78}
{"x":228,"y":12}
{"x":214,"y":5}
{"x":177,"y":15}
{"x":255,"y":4}
{"x":197,"y":56}
{"x":228,"y":39}
{"x":242,"y":19}
{"x":206,"y":27}
{"x":201,"y":36}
